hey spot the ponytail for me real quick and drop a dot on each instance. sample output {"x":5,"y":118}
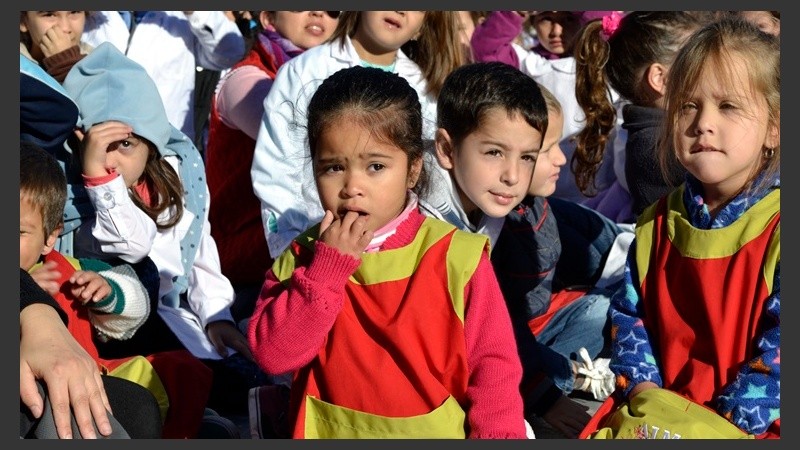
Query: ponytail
{"x":594,"y":97}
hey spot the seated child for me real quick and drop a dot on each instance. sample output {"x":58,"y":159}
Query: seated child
{"x":380,"y":312}
{"x":144,"y":181}
{"x":559,"y":304}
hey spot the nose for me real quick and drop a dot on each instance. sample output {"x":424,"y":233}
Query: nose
{"x":704,"y":122}
{"x":353,"y":185}
{"x":559,"y":158}
{"x":64,"y":23}
{"x":510,"y":175}
{"x":111,"y":161}
{"x":316,"y":13}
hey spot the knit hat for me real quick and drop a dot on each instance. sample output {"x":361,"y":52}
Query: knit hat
{"x":107,"y":85}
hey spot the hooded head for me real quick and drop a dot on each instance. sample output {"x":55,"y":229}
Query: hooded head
{"x":107,"y":85}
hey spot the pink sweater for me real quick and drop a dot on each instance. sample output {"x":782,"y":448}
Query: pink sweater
{"x":288,"y":327}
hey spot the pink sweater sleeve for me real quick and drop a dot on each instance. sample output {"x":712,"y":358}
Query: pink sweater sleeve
{"x":495,"y":408}
{"x":492,"y":39}
{"x":290,"y":323}
{"x":240,"y":100}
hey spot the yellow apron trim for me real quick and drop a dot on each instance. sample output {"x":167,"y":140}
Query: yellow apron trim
{"x":139,"y":370}
{"x":327,"y":421}
{"x":462,"y":259}
{"x":707,"y":244}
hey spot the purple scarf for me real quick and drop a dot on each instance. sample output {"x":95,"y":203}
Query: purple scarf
{"x":278,"y":46}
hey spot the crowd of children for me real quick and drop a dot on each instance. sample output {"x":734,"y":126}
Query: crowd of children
{"x":379,"y":240}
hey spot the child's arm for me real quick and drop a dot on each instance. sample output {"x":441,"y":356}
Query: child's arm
{"x":119,"y":228}
{"x":494,"y":402}
{"x":219,"y":43}
{"x":118,"y":302}
{"x":291,"y":321}
{"x":492,"y":40}
{"x":630,"y":342}
{"x":59,"y":53}
{"x":210,"y":295}
{"x":289,"y":204}
{"x":762,"y":375}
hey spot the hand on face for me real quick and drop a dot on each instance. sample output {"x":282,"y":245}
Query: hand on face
{"x":96,"y":142}
{"x":55,"y":40}
{"x":347,"y":234}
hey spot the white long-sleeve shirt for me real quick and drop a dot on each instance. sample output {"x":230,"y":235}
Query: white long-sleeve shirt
{"x":170,"y":46}
{"x":210,"y":293}
{"x":281,"y":171}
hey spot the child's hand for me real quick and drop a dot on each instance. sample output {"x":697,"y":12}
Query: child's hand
{"x":641,"y":387}
{"x":349,"y":235}
{"x":96,"y":143}
{"x":89,"y":286}
{"x":47,"y":277}
{"x":225,"y":334}
{"x":55,"y":41}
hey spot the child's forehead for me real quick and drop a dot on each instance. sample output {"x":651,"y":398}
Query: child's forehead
{"x":729,"y":73}
{"x":28,"y":206}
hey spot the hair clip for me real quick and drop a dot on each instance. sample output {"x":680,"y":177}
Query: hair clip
{"x":610,"y":25}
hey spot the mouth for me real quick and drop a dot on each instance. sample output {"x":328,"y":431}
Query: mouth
{"x":503,"y":198}
{"x":315,"y":29}
{"x":343,"y":212}
{"x":392,"y":23}
{"x":702,"y":149}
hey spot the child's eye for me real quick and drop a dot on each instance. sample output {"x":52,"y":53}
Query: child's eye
{"x":332,"y":168}
{"x":530,"y":157}
{"x":126,"y":146}
{"x":493,"y":152}
{"x":376,"y":167}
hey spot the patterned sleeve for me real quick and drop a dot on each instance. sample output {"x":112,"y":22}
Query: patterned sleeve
{"x":632,"y":358}
{"x":753,"y":400}
{"x":119,"y":315}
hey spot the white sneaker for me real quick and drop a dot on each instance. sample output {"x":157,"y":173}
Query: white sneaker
{"x":598,"y":379}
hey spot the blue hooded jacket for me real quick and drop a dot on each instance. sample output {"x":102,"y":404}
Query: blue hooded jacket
{"x":107,"y":85}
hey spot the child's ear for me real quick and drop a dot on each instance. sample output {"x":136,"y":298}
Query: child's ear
{"x":656,"y":77}
{"x":773,"y":135}
{"x":264,"y":19}
{"x":444,"y":149}
{"x":413,"y":175}
{"x":50,"y":242}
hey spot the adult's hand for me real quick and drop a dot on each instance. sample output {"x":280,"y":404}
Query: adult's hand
{"x":49,"y":352}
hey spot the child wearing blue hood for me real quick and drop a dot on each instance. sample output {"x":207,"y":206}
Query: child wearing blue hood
{"x":145,"y":183}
